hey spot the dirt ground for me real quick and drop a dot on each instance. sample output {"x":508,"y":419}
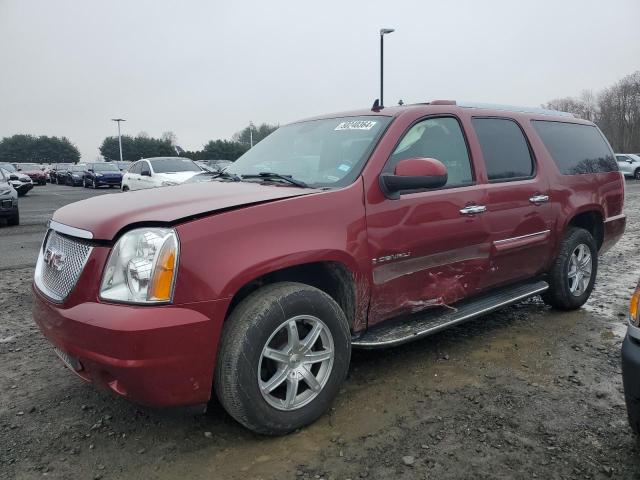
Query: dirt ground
{"x":524,"y":393}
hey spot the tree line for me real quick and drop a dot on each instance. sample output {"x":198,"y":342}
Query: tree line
{"x":616,"y":110}
{"x":43,"y":149}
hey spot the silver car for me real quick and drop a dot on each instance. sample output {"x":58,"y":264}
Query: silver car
{"x":629,"y":164}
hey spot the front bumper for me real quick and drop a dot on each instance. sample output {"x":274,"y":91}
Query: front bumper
{"x":23,"y":188}
{"x":152,"y":355}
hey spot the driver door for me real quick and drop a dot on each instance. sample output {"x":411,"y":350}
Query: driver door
{"x":429,"y":247}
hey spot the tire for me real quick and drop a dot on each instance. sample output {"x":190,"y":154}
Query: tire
{"x":262,"y":320}
{"x":560,"y":294}
{"x":95,"y":185}
{"x":636,"y":174}
{"x":125,"y":188}
{"x":14,"y":221}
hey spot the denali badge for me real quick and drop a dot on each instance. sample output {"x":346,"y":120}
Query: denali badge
{"x":388,"y":258}
{"x":54,"y":258}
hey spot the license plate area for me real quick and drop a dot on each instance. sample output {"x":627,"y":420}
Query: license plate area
{"x":71,"y":362}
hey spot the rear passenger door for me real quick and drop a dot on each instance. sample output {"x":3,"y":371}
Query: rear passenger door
{"x":518,"y":209}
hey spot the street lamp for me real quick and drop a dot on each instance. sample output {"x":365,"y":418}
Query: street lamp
{"x":251,"y":133}
{"x":118,"y":120}
{"x":383,"y":32}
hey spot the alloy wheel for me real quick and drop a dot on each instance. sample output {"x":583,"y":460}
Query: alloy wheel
{"x":296,"y":362}
{"x":580,"y":266}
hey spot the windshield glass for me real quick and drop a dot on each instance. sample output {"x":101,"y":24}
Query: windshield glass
{"x":30,"y":166}
{"x":61,"y":166}
{"x":170,"y":165}
{"x":77,"y":168}
{"x":326,"y":152}
{"x":8,"y":167}
{"x":105,"y":167}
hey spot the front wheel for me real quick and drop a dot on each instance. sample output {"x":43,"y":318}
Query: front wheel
{"x":284,"y":353}
{"x":636,"y":174}
{"x":573,"y":273}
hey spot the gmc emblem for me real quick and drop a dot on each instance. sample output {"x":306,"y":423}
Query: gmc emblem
{"x":54,"y":258}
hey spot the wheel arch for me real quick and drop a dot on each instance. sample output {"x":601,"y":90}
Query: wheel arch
{"x":592,"y":220}
{"x":333,"y":277}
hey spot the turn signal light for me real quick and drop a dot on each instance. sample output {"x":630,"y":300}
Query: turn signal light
{"x":634,"y":316}
{"x":162,"y":278}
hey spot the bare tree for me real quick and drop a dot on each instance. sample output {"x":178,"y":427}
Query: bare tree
{"x":169,"y":137}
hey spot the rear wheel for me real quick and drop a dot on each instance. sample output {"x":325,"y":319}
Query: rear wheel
{"x":15,"y":220}
{"x":636,"y":174}
{"x":573,"y":273}
{"x":284,"y":353}
{"x":125,"y":188}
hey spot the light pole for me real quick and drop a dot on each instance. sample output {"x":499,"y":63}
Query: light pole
{"x":383,"y":32}
{"x":251,"y":133}
{"x":118,"y":120}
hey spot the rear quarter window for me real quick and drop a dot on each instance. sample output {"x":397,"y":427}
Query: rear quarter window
{"x":576,"y":149}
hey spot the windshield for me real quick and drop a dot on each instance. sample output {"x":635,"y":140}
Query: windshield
{"x":61,"y":166}
{"x":8,"y":167}
{"x":170,"y":165}
{"x":77,"y":168}
{"x":105,"y":167}
{"x":326,"y":152}
{"x":30,"y":166}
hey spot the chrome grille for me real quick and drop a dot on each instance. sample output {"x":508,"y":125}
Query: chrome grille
{"x":60,"y":264}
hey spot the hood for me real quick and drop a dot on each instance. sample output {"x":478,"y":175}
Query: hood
{"x":177,"y":177}
{"x":22,"y":177}
{"x":105,"y":215}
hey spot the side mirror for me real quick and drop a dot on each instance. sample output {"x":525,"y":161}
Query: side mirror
{"x":90,"y":169}
{"x":145,"y":173}
{"x":414,"y":174}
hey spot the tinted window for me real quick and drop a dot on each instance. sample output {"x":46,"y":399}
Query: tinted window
{"x":504,"y":148}
{"x":576,"y":148}
{"x":167,"y":165}
{"x":439,"y":138}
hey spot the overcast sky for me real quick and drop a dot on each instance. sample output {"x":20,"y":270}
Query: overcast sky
{"x":204,"y":69}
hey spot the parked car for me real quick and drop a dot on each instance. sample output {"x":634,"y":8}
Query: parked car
{"x":102,"y":173}
{"x":58,"y":173}
{"x":367,"y":229}
{"x":19,"y":181}
{"x":631,"y":363}
{"x":73,"y":175}
{"x":35,"y":171}
{"x":8,"y":199}
{"x":158,"y":172}
{"x":629,"y":164}
{"x":123,"y":166}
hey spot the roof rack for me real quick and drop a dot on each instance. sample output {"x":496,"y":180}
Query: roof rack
{"x":512,"y":108}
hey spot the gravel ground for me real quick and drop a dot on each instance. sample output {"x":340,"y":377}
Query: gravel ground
{"x":524,"y":393}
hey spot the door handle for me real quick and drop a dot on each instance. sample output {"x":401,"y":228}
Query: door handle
{"x":473,"y":209}
{"x":538,"y":199}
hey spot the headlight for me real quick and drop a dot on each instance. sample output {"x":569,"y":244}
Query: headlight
{"x":168,"y":183}
{"x":634,"y":307}
{"x":141,"y":267}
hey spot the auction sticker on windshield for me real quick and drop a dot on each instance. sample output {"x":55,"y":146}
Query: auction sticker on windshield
{"x":356,"y":125}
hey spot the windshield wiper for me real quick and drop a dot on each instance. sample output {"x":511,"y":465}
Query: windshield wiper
{"x":279,"y":176}
{"x":223,"y":174}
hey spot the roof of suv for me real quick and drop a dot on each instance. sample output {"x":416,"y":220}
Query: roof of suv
{"x":451,"y":106}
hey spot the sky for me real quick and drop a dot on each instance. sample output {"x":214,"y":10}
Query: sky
{"x":205,"y":69}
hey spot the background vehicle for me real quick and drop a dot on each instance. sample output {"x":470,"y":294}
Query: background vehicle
{"x":367,"y":229}
{"x":159,"y":172}
{"x":19,"y":181}
{"x":629,"y":164}
{"x":101,"y":173}
{"x":123,"y":166}
{"x":35,"y":171}
{"x":73,"y":175}
{"x":8,"y":199}
{"x":631,"y":363}
{"x":58,"y":172}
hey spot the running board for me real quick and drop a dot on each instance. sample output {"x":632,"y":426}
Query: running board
{"x":407,"y":328}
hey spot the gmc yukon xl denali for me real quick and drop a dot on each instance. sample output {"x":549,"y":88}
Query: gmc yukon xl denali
{"x":365,"y":229}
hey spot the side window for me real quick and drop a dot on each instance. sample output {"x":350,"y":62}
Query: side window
{"x":576,"y":148}
{"x":504,"y":148}
{"x":136,"y":168}
{"x":145,"y":167}
{"x":439,"y":138}
{"x":622,"y":158}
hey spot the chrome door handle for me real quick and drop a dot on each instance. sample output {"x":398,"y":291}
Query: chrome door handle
{"x":536,"y":199}
{"x":473,"y":209}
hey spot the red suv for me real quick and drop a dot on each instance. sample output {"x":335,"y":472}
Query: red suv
{"x":365,"y":229}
